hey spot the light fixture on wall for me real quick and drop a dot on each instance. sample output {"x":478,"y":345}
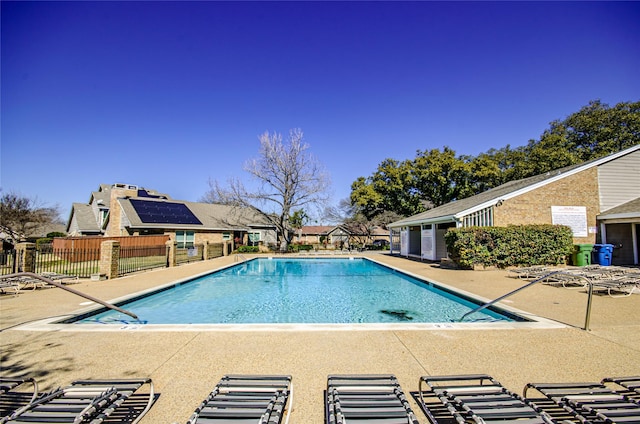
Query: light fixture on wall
{"x":499,"y":203}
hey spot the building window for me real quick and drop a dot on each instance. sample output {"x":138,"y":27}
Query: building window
{"x":226,"y":236}
{"x":185,"y":239}
{"x":254,"y":238}
{"x":481,"y":218}
{"x":104,"y":214}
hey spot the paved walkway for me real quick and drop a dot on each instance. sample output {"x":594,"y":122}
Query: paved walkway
{"x":185,"y":365}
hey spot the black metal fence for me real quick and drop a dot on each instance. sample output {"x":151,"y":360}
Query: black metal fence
{"x":8,"y":262}
{"x":134,"y":259}
{"x":78,"y":262}
{"x":83,"y":262}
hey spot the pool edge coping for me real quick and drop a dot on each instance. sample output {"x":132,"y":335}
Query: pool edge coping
{"x":534,"y":321}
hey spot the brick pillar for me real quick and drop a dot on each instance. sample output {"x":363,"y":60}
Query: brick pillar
{"x":109,"y":258}
{"x":27,"y":257}
{"x":205,"y":250}
{"x":173,"y":246}
{"x":225,"y":248}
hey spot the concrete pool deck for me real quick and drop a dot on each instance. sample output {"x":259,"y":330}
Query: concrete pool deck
{"x":185,"y":365}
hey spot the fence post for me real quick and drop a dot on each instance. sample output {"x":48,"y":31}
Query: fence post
{"x":26,"y":255}
{"x":172,"y":260}
{"x":205,"y":250}
{"x":109,"y":258}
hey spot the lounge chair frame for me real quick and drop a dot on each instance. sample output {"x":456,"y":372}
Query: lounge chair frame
{"x":589,"y":402}
{"x":12,"y":396}
{"x":84,"y":401}
{"x":238,"y":398}
{"x":478,"y":398}
{"x":366,"y":398}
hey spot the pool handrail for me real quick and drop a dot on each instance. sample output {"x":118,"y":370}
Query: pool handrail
{"x":587,"y":318}
{"x":69,"y":289}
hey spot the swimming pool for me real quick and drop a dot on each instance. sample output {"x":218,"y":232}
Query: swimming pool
{"x":300,"y":291}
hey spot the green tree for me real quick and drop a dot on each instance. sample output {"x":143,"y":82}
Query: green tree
{"x":440,"y":176}
{"x":598,"y":130}
{"x":390,"y":188}
{"x":436,"y":177}
{"x":298,"y":219}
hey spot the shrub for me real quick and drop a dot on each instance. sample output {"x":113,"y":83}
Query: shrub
{"x":248,"y":249}
{"x":299,"y":247}
{"x":43,"y":241}
{"x":516,"y":245}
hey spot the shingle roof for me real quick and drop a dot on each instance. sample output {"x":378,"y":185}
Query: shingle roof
{"x":317,"y":229}
{"x":455,"y":209}
{"x":630,"y":209}
{"x":85,"y":219}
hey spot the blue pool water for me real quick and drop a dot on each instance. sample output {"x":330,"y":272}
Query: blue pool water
{"x":284,"y":290}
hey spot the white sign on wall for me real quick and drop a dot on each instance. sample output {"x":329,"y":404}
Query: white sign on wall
{"x":574,"y":217}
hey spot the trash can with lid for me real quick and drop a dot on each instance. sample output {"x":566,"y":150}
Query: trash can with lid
{"x":582,"y":254}
{"x":602,"y":254}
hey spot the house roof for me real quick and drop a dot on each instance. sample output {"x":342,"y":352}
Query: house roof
{"x":455,"y":210}
{"x":317,"y":229}
{"x":629,"y":210}
{"x":85,"y":219}
{"x":211,"y":216}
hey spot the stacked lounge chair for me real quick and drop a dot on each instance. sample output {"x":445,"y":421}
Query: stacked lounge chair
{"x":13,"y":394}
{"x":588,"y":402}
{"x":631,"y":384}
{"x":9,"y":287}
{"x":476,"y":398}
{"x":246,"y":399}
{"x":370,"y":398}
{"x":620,"y":286}
{"x":86,"y":401}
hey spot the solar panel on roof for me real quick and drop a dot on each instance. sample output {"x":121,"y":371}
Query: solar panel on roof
{"x":164,"y":212}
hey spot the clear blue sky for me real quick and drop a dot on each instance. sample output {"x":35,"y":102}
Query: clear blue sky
{"x":166,"y":95}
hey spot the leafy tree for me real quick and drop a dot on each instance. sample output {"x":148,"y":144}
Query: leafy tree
{"x":20,"y":216}
{"x":365,"y":198}
{"x":598,"y":130}
{"x":440,"y":176}
{"x":436,"y":177}
{"x":390,"y":188}
{"x":298,"y":219}
{"x":289,"y":177}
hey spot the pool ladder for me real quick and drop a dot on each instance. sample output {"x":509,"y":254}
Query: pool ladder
{"x":587,"y":317}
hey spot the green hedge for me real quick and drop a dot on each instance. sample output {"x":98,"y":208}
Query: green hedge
{"x":516,"y":245}
{"x":300,"y":247}
{"x":248,"y":249}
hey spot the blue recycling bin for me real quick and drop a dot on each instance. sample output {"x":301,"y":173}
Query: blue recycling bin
{"x":602,"y":254}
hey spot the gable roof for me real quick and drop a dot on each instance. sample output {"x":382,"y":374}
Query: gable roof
{"x":629,"y":210}
{"x":85,"y":219}
{"x":453,"y":211}
{"x":316,"y":229}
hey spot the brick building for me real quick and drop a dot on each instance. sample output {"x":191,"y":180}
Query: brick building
{"x":599,"y":200}
{"x":128,"y":210}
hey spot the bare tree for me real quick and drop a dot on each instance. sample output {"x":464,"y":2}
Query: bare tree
{"x":289,"y":178}
{"x":20,"y":216}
